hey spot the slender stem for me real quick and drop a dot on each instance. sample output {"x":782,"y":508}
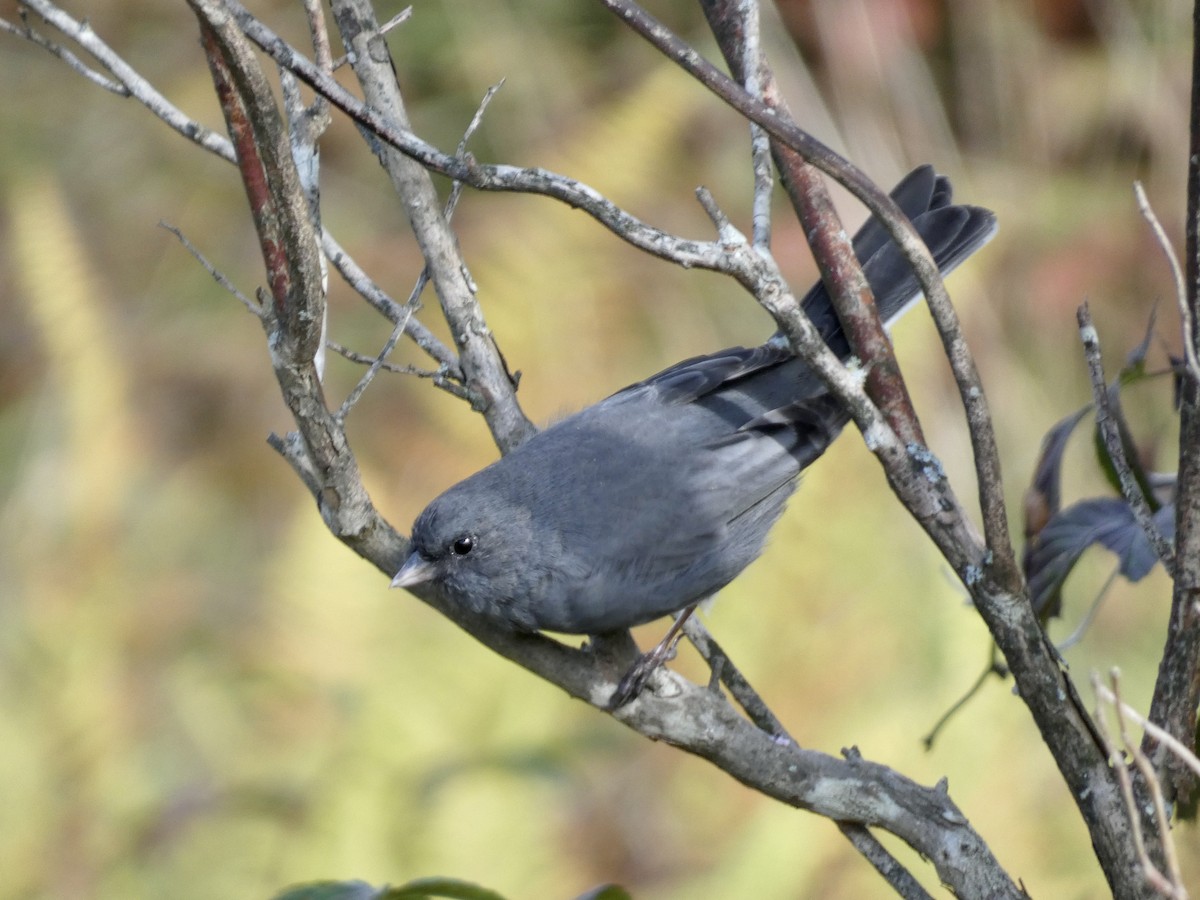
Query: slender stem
{"x":1110,"y":431}
{"x":1177,"y":690}
{"x":1191,"y":363}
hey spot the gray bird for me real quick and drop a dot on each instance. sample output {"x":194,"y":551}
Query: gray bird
{"x":655,"y":498}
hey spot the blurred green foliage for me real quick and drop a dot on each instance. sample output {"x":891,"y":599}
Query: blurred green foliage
{"x":203,"y":695}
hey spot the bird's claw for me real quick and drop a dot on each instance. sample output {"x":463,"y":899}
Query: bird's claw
{"x":634,"y":680}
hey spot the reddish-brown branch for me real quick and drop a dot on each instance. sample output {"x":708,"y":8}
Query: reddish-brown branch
{"x":831,"y":247}
{"x":1177,"y":689}
{"x":287,"y":236}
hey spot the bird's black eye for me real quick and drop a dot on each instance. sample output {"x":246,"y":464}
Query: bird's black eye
{"x":463,"y":545}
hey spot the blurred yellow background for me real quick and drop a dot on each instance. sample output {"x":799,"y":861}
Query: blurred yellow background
{"x":203,"y":695}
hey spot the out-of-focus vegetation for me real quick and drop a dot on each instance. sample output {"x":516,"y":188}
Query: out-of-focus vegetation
{"x":203,"y":695}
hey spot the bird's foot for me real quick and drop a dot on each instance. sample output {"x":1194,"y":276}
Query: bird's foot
{"x":633,"y":681}
{"x":639,"y":673}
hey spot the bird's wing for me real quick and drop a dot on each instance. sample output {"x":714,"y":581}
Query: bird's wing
{"x":699,"y":376}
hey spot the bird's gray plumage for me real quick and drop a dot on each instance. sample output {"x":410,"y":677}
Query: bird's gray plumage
{"x":658,"y":496}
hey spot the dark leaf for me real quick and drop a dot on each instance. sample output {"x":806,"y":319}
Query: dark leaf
{"x":330,"y":890}
{"x":451,"y":888}
{"x":1135,"y":362}
{"x":1107,"y":521}
{"x":606,"y":892}
{"x":1044,"y":497}
{"x":418,"y":889}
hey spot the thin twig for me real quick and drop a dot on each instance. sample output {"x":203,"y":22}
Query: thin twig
{"x":398,"y":19}
{"x":372,"y":370}
{"x":994,"y":667}
{"x":366,"y":360}
{"x":315,"y":14}
{"x":137,"y":86}
{"x":754,"y":67}
{"x":898,"y":878}
{"x":476,"y":121}
{"x":1176,"y":689}
{"x":1185,"y":312}
{"x":1150,"y":777}
{"x":1077,"y":635}
{"x":25,"y":30}
{"x":365,"y":287}
{"x":1109,"y":431}
{"x":727,"y":234}
{"x":414,"y":298}
{"x":729,"y":674}
{"x":1169,"y":885}
{"x":212,"y":270}
{"x":1180,"y":750}
{"x":1117,"y":762}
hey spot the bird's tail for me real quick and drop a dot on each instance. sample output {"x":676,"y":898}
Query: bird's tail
{"x":952,"y":233}
{"x":786,"y":401}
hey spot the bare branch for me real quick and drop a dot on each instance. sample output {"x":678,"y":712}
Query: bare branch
{"x":1130,"y":489}
{"x":372,"y":370}
{"x":684,"y":252}
{"x":398,"y":19}
{"x":393,"y":311}
{"x":282,"y":215}
{"x":366,"y":360}
{"x":994,"y":667}
{"x":898,"y":878}
{"x":727,"y":673}
{"x":305,"y":127}
{"x":1185,"y":312}
{"x":25,"y":30}
{"x":314,"y":12}
{"x":1181,"y":751}
{"x":414,"y":299}
{"x":483,"y":366}
{"x":754,"y":73}
{"x":137,"y":86}
{"x":212,"y":270}
{"x":1171,"y":886}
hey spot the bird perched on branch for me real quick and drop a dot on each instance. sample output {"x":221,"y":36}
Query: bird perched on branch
{"x":655,"y":498}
